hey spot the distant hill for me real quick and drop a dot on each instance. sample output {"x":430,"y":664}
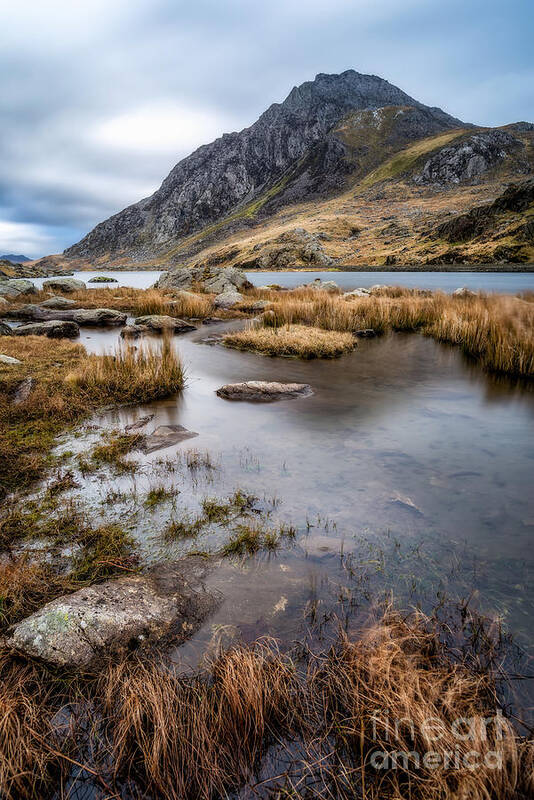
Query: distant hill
{"x":348,"y":170}
{"x":15,"y":259}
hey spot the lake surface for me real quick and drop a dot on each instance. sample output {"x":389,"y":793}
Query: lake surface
{"x":408,"y":462}
{"x":505,"y":282}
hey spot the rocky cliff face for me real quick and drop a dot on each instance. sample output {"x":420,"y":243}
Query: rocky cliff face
{"x":263,"y":160}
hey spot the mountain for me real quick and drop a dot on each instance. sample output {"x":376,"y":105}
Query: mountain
{"x":15,"y":259}
{"x":344,"y":157}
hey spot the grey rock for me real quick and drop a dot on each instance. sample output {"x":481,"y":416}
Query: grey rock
{"x":58,"y":302}
{"x":161,"y":322}
{"x":357,"y":293}
{"x":133,"y":331}
{"x":102,"y":279}
{"x":54,"y":329}
{"x":264,"y":391}
{"x":9,"y":360}
{"x":228,"y":299}
{"x":92,"y":317}
{"x":14,"y":287}
{"x":463,"y":291}
{"x":166,"y":436}
{"x":365,"y":333}
{"x":326,"y":286}
{"x":8,"y":291}
{"x":77,"y":630}
{"x":212,"y":279}
{"x":5,"y":330}
{"x":64,"y":285}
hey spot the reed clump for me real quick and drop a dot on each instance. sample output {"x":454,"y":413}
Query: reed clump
{"x":292,"y":340}
{"x":496,"y":330}
{"x":131,"y":374}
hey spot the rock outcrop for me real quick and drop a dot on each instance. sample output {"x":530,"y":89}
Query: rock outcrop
{"x":91,"y":317}
{"x":214,"y":280}
{"x":54,"y":329}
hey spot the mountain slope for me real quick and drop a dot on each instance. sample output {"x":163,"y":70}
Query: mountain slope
{"x":288,"y":152}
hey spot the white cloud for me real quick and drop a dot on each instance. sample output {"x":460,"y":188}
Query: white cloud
{"x":24,"y":239}
{"x":161,"y":127}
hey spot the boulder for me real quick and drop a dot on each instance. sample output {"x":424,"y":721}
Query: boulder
{"x":96,"y":316}
{"x":463,"y":291}
{"x":21,"y":285}
{"x":161,"y":322}
{"x":54,"y":329}
{"x":5,"y":330}
{"x":102,"y":279}
{"x":212,"y":279}
{"x":118,"y":615}
{"x":58,"y":303}
{"x":9,"y":360}
{"x":263,"y":391}
{"x":357,"y":293}
{"x":64,"y":285}
{"x":326,"y":286}
{"x":228,"y":299}
{"x":166,"y":436}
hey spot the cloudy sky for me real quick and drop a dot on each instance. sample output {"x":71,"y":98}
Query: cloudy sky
{"x":100,"y":98}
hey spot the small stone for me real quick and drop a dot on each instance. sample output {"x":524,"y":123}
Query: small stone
{"x":166,"y":436}
{"x":8,"y":360}
{"x":463,"y":291}
{"x":228,"y":299}
{"x":58,"y":302}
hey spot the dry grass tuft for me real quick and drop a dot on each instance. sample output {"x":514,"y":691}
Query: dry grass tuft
{"x":131,"y":374}
{"x":327,"y":723}
{"x":292,"y":340}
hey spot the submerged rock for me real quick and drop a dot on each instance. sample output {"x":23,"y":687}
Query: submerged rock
{"x":64,"y":285}
{"x":365,"y":333}
{"x":161,"y":322}
{"x":166,"y":436}
{"x":133,"y":331}
{"x":228,"y":299}
{"x":118,"y":615}
{"x":264,"y":391}
{"x":54,"y":329}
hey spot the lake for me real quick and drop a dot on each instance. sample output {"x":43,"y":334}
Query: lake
{"x":506,"y":282}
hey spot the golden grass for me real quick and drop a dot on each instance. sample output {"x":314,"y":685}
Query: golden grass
{"x":292,"y":340}
{"x":396,"y":689}
{"x":496,"y":330}
{"x":68,"y":385}
{"x":131,"y":374}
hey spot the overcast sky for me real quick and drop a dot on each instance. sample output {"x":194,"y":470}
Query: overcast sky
{"x":100,"y":98}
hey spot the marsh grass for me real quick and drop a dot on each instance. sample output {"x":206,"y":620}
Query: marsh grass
{"x":496,"y":330}
{"x":131,"y":374}
{"x":112,"y":451}
{"x":292,"y":340}
{"x":318,"y":718}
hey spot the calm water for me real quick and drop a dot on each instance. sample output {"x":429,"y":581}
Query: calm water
{"x":446,"y":281}
{"x":406,"y":456}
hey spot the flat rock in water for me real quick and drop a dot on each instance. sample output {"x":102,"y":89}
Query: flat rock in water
{"x":142,"y":422}
{"x":54,"y":329}
{"x":161,"y":322}
{"x":264,"y":391}
{"x":112,"y":617}
{"x":64,"y":285}
{"x":133,"y":331}
{"x":166,"y":436}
